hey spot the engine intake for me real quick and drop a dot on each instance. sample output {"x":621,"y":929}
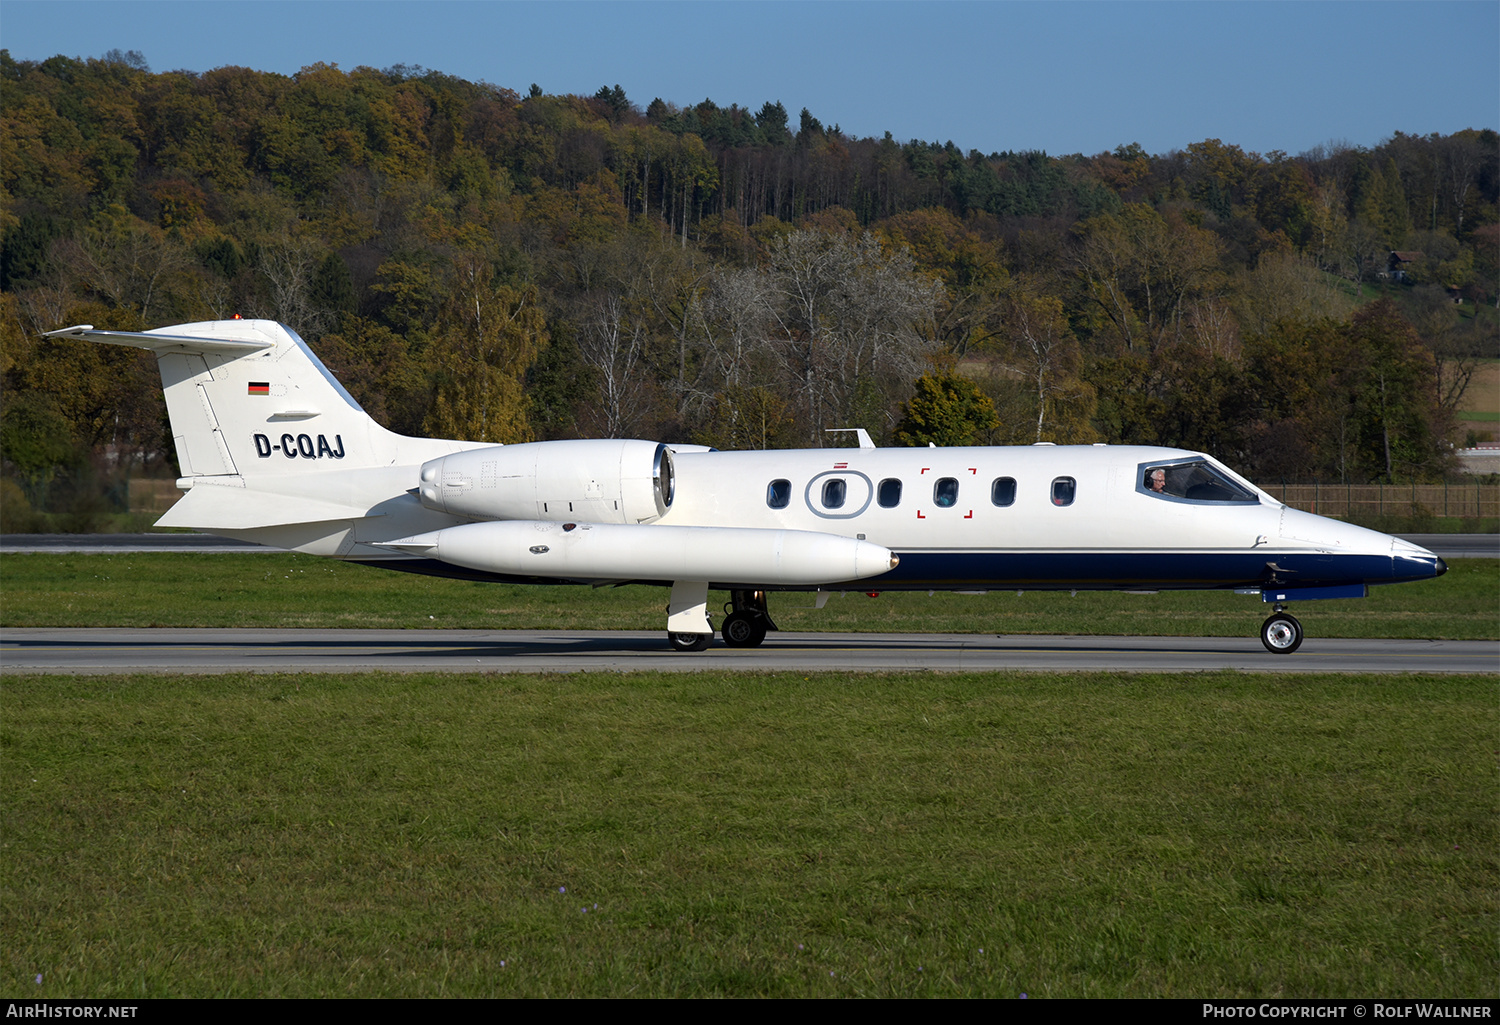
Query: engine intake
{"x":586,"y":481}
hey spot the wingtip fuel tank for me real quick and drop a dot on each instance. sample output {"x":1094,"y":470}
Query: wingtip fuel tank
{"x":607,"y":551}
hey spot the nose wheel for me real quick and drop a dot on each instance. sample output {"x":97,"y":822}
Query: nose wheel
{"x":1281,"y":633}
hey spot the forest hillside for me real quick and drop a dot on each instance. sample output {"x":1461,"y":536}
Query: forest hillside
{"x":480,"y":264}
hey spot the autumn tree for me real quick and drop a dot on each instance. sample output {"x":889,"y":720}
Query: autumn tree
{"x":1143,"y":273}
{"x":1398,"y":419}
{"x":846,"y":312}
{"x":970,"y":268}
{"x":946,"y":409}
{"x":746,"y":418}
{"x":1382,"y":205}
{"x":1042,"y":351}
{"x":487,"y":337}
{"x":1354,"y":400}
{"x":612,"y":341}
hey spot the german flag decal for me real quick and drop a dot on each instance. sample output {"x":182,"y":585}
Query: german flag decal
{"x":260,"y":387}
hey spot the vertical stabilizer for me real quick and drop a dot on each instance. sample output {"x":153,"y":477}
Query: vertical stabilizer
{"x":248,"y":398}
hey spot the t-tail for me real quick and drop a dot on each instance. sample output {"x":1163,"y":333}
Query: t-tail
{"x":266,"y":437}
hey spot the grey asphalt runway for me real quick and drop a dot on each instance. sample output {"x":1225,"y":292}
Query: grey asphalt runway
{"x":1449,"y":546}
{"x":507,"y":651}
{"x":119,"y":651}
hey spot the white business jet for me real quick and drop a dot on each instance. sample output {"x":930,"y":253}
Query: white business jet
{"x":274,"y":450}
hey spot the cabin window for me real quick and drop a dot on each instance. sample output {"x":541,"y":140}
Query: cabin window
{"x":889,"y":493}
{"x":945,"y":492}
{"x":1195,"y":481}
{"x":1003,"y":491}
{"x":1063,"y":490}
{"x":834,"y":491}
{"x":779,"y":494}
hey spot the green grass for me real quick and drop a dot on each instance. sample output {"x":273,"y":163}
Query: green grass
{"x":825,"y":835}
{"x":304,"y":591}
{"x":1478,"y":416}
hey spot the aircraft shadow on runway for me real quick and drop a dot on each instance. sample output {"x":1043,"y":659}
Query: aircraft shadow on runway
{"x":447,"y":648}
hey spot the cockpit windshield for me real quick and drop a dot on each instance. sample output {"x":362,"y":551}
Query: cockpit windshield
{"x":1192,"y":480}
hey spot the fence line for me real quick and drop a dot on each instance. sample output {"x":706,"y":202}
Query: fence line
{"x":1446,"y":499}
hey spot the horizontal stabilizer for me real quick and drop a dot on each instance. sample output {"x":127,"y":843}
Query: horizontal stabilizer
{"x":160,"y":343}
{"x":226,"y":506}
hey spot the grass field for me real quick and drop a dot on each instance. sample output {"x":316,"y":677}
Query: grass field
{"x":304,"y":591}
{"x":1483,"y":393}
{"x":702,"y":834}
{"x":711,"y":834}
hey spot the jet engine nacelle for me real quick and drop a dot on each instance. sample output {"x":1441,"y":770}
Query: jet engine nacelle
{"x":586,"y":481}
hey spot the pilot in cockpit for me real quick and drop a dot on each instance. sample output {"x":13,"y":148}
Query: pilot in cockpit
{"x":1156,"y":480}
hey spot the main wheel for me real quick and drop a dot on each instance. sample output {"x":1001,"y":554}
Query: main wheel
{"x":1281,"y":634}
{"x":743,"y":630}
{"x":689,"y":642}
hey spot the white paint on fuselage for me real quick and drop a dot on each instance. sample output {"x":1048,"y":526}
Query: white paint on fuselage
{"x":729,"y":489}
{"x":1109,"y":512}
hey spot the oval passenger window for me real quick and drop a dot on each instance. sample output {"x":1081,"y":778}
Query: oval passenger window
{"x":945,"y":492}
{"x":1063,"y":489}
{"x":1003,"y":491}
{"x":778,"y":494}
{"x":833,"y":493}
{"x":889,"y":495}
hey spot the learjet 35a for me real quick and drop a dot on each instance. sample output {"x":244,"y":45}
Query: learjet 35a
{"x":273,"y":450}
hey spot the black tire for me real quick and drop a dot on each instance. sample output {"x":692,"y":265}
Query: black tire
{"x":743,"y":630}
{"x":1281,"y":634}
{"x":689,"y":642}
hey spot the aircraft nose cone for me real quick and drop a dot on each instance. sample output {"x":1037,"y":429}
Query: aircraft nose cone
{"x":1440,"y":568}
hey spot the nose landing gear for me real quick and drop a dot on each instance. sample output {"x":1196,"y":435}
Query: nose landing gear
{"x":1281,"y":633}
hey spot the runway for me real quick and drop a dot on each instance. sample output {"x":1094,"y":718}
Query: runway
{"x":86,"y":651}
{"x":219,"y":651}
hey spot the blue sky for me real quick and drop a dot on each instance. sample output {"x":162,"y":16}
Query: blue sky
{"x":1063,"y":77}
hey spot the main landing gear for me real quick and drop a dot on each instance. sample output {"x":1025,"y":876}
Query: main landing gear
{"x":1281,"y":633}
{"x":748,"y":619}
{"x":745,"y":625}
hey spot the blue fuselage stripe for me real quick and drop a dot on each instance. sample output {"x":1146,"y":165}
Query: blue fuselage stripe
{"x":1083,"y":570}
{"x":1156,"y":570}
